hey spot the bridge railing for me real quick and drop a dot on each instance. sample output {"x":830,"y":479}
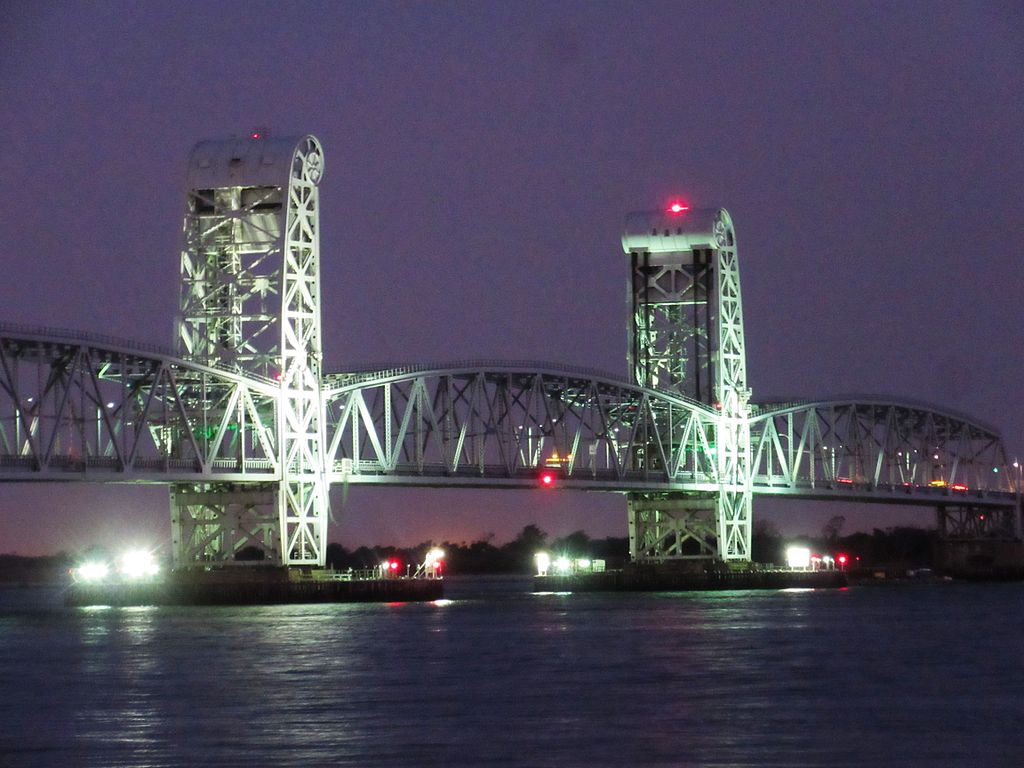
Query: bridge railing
{"x":354,"y":374}
{"x":363,"y":373}
{"x":429,"y":472}
{"x":77,"y":337}
{"x":52,"y":334}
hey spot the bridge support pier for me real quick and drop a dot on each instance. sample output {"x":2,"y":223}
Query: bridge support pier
{"x":672,"y":526}
{"x":970,"y":523}
{"x":212,"y":524}
{"x":979,"y":542}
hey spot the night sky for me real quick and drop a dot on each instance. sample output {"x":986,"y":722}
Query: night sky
{"x":480,"y":160}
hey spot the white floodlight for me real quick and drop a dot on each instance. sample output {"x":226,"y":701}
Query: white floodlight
{"x":432,"y":565}
{"x":138,"y":564}
{"x":563,"y":564}
{"x":798,"y":557}
{"x":583,"y":564}
{"x":92,"y":571}
{"x":543,"y":560}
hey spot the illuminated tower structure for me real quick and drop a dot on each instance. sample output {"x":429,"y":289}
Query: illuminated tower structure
{"x":250,"y":303}
{"x":686,"y":336}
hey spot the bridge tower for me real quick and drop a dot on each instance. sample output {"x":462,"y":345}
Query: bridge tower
{"x":686,"y":336}
{"x":250,"y":303}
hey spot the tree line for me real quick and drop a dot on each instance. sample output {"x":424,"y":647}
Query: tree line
{"x":483,"y":556}
{"x":904,"y":546}
{"x":907,"y":546}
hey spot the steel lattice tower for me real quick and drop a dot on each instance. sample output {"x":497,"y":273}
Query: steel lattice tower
{"x":686,"y":335}
{"x":250,"y":302}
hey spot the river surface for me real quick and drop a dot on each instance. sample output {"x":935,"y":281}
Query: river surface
{"x":922,"y":675}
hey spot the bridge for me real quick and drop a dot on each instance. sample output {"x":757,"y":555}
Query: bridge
{"x":248,"y":431}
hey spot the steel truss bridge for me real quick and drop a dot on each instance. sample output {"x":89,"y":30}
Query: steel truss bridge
{"x":249,"y":433}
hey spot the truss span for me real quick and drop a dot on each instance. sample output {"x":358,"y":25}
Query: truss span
{"x":76,"y":407}
{"x":870,"y":449}
{"x":498,"y":424}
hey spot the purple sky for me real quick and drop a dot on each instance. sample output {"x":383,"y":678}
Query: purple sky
{"x":480,"y":159}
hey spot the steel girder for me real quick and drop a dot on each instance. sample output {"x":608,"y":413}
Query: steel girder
{"x":672,"y":323}
{"x":970,"y":522}
{"x":488,"y":426}
{"x":867,"y":449}
{"x":303,"y":504}
{"x":735,"y":497}
{"x":75,"y":407}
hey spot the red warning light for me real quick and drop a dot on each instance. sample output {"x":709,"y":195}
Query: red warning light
{"x":547,"y":479}
{"x":393,"y":565}
{"x":678,"y":208}
{"x":255,"y":135}
{"x":842,"y":559}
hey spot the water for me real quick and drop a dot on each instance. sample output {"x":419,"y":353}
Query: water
{"x":873,"y":676}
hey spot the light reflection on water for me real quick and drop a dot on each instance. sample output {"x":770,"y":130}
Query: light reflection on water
{"x":494,"y":675}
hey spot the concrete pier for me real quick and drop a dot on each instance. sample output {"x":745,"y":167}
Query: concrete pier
{"x":252,"y":586}
{"x":669,"y":578}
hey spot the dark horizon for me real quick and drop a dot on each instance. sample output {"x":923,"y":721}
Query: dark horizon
{"x":769,"y":545}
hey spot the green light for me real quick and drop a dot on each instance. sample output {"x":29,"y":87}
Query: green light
{"x":209,"y":432}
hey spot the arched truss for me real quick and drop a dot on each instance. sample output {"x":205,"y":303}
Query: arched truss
{"x":74,"y":407}
{"x":496,"y":424}
{"x":866,"y":449}
{"x":77,"y":407}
